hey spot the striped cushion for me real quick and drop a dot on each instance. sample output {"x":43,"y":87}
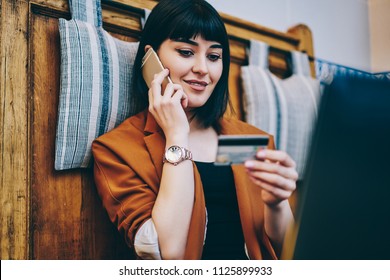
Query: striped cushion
{"x":259,"y":99}
{"x":96,"y":79}
{"x":285,"y":108}
{"x":299,"y":95}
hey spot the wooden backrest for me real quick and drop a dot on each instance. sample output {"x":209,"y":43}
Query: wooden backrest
{"x":48,"y":214}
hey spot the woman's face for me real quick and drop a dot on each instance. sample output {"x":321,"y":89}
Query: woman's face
{"x":195,"y":64}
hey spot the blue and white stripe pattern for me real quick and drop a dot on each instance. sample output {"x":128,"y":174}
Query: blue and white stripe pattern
{"x":284,"y":108}
{"x":96,"y":81}
{"x":87,"y":11}
{"x":259,"y":98}
{"x":302,"y":94}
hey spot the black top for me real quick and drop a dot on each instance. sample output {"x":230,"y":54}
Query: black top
{"x":224,"y":237}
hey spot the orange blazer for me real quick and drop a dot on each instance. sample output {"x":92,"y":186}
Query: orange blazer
{"x":127,"y":169}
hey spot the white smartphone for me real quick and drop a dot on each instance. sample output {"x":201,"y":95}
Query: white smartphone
{"x":236,"y":149}
{"x":152,"y":65}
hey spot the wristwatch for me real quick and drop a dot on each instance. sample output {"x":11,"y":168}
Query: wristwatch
{"x":176,"y":154}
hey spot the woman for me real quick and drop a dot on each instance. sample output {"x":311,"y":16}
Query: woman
{"x":185,"y":207}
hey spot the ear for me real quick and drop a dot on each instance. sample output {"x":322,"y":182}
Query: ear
{"x":147,"y":47}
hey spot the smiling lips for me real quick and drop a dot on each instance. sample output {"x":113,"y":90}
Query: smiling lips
{"x":197,"y":85}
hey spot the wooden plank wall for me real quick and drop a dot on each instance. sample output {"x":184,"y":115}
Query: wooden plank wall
{"x":47,"y":214}
{"x":14,"y":130}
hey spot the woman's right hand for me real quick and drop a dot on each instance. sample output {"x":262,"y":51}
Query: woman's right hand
{"x":168,"y":107}
{"x":176,"y":190}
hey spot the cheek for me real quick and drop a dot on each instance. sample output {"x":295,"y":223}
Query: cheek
{"x":216,"y":72}
{"x":177,"y":68}
{"x":169,"y":61}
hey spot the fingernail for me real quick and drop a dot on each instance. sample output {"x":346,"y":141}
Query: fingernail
{"x":249,"y":164}
{"x":261,"y":154}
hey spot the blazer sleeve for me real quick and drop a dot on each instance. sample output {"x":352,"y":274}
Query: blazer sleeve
{"x":127,"y":199}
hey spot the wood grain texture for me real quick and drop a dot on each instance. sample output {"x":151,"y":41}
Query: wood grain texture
{"x":14,"y":131}
{"x":68,"y":221}
{"x":56,"y":197}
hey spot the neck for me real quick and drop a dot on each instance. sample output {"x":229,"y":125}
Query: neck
{"x":192,"y":120}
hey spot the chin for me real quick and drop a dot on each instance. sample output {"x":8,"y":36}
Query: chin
{"x":197,"y":100}
{"x":196,"y":103}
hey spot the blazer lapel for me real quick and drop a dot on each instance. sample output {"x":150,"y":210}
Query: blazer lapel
{"x":155,"y":143}
{"x":246,"y":193}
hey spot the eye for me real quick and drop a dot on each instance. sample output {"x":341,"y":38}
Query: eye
{"x":214,"y":57}
{"x":185,"y":53}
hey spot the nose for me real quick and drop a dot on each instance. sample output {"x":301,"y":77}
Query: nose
{"x":200,"y":65}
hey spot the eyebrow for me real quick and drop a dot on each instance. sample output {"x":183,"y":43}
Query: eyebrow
{"x":191,"y":42}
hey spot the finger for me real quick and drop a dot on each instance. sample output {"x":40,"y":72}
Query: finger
{"x":166,"y":105}
{"x":154,"y":94}
{"x":276,"y":156}
{"x":151,"y":100}
{"x":156,"y":84}
{"x":174,"y":95}
{"x":184,"y":101}
{"x":171,"y":90}
{"x":274,"y":180}
{"x":181,"y":97}
{"x":272,"y":167}
{"x":159,"y":77}
{"x":281,"y":194}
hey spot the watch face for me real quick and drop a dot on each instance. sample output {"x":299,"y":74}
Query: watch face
{"x":173,"y":154}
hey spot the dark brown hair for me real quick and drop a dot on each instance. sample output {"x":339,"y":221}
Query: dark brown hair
{"x":185,"y":19}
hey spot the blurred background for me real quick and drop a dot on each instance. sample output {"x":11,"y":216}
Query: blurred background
{"x":351,"y":35}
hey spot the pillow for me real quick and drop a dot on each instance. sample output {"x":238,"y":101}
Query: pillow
{"x":96,"y":82}
{"x":300,"y":94}
{"x":259,"y":103}
{"x":284,"y":108}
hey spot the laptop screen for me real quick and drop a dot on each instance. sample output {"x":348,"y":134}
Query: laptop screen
{"x":344,"y":200}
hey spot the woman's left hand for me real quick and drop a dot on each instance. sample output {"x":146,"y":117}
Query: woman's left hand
{"x":273,"y":171}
